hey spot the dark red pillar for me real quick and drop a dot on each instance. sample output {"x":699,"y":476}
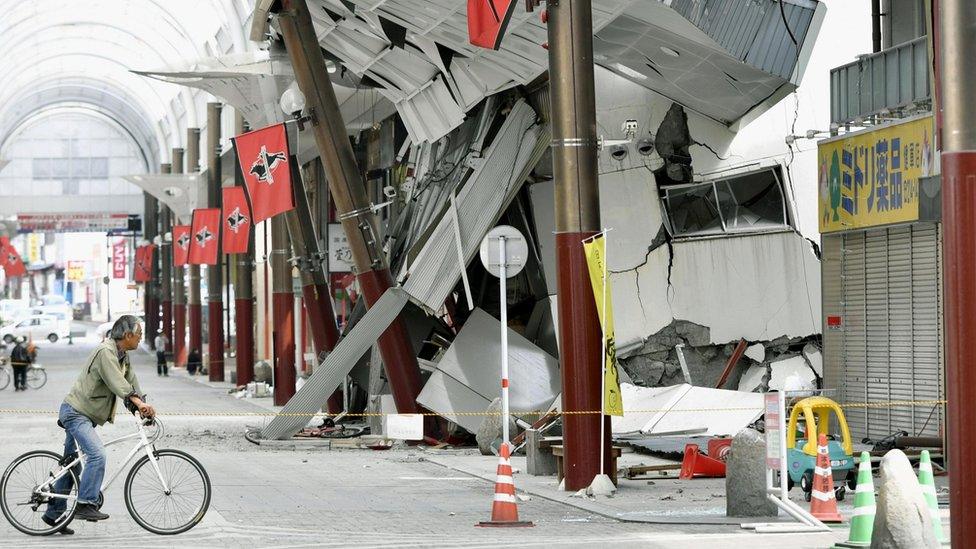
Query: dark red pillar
{"x":574,"y":154}
{"x":284,"y":346}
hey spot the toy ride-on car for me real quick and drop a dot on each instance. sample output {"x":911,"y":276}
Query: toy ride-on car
{"x":802,"y":460}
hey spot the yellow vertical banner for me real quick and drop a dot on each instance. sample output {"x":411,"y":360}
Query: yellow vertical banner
{"x":595,"y":251}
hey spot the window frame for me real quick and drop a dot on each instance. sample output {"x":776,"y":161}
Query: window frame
{"x":725,"y":176}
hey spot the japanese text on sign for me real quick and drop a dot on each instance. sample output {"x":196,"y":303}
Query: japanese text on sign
{"x":872,"y":178}
{"x":774,"y":450}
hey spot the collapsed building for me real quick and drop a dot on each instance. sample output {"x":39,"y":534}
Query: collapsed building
{"x":708,"y":255}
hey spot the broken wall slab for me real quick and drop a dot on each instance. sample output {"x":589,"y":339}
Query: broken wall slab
{"x":684,"y":409}
{"x":474,"y":360}
{"x":795,"y":367}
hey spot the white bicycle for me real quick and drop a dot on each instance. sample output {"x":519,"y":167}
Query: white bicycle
{"x":166,"y":491}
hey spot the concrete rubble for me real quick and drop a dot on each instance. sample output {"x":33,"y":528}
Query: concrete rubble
{"x":745,"y":478}
{"x":902,"y":520}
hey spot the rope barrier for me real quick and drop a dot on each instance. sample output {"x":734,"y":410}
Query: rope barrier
{"x":532,"y":413}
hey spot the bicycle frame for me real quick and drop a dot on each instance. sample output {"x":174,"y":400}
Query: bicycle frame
{"x":144,"y":443}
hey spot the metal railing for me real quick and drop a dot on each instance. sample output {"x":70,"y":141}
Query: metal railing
{"x":892,"y":79}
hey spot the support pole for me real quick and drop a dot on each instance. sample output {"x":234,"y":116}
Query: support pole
{"x":349,"y":195}
{"x":166,"y":268}
{"x":283,"y":302}
{"x":574,"y":146}
{"x":194,"y":304}
{"x":503,"y":313}
{"x":179,"y":288}
{"x":244,"y":291}
{"x":305,"y":243}
{"x":150,"y":229}
{"x":958,"y":41}
{"x":215,"y":273}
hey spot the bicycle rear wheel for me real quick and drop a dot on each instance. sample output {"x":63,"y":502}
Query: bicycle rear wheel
{"x":23,"y":504}
{"x":36,"y":378}
{"x":171,"y":511}
{"x":4,"y":378}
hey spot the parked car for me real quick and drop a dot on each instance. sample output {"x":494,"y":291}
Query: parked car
{"x":9,"y":308}
{"x":36,"y":327}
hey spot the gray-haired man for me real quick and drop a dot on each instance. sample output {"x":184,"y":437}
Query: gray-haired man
{"x":91,"y":402}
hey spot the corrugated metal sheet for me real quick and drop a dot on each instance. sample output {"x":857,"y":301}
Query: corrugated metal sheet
{"x":890,"y":79}
{"x":494,"y":180}
{"x":329,"y":374}
{"x":890,"y":347}
{"x":752,"y":30}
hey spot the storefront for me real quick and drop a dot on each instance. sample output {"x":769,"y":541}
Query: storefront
{"x":882,"y":277}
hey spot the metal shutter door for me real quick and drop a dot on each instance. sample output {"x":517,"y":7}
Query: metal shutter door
{"x":854,"y":385}
{"x":927,"y":335}
{"x":832,"y":292}
{"x":891,"y":342}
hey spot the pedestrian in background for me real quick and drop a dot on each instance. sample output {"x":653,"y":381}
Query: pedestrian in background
{"x":20,"y":359}
{"x":160,"y":343}
{"x":194,"y":362}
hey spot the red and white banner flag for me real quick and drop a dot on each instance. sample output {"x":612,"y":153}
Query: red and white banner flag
{"x":487,"y":21}
{"x":144,"y":263}
{"x":181,"y":244}
{"x":10,"y":260}
{"x":236,"y":231}
{"x":119,"y":249}
{"x":205,"y":237}
{"x":264,"y":158}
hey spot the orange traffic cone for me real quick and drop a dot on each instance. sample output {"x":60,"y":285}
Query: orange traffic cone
{"x":696,"y":464}
{"x":504,"y":511}
{"x":824,"y":505}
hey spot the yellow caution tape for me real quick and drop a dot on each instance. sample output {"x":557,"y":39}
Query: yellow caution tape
{"x":878,"y":404}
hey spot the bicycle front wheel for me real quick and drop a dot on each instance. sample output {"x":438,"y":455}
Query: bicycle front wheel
{"x":36,"y":378}
{"x":25,"y":493}
{"x":4,"y":378}
{"x":170,"y":497}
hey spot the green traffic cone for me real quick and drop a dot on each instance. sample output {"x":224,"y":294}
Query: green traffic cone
{"x":927,"y":480}
{"x":862,"y":522}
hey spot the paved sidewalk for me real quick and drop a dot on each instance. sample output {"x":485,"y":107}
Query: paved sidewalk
{"x":274,"y":497}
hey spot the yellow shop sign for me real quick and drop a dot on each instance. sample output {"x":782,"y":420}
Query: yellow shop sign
{"x":871,"y":178}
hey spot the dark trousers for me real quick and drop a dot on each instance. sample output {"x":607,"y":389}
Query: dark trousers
{"x":20,"y":377}
{"x":161,"y":367}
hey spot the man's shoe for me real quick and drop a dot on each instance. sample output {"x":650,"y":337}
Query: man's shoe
{"x":64,"y":529}
{"x":87,"y":511}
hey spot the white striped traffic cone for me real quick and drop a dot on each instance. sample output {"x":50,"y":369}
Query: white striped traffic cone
{"x":927,"y":480}
{"x":824,"y":505}
{"x":862,"y":523}
{"x":504,"y":511}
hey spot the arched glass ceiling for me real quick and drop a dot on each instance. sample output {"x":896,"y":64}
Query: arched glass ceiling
{"x":66,"y":52}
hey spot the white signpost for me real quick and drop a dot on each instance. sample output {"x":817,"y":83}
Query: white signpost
{"x":504,"y":252}
{"x":776,"y":425}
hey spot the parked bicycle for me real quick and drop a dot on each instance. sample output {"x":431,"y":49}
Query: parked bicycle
{"x":36,"y":375}
{"x":166,"y":491}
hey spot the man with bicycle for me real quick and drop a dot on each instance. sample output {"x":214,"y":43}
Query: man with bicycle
{"x":91,"y":402}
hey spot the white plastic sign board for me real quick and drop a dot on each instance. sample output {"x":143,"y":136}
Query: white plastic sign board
{"x":516,"y":251}
{"x":403,"y":426}
{"x":774,"y":423}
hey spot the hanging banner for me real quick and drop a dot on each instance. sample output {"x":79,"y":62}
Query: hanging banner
{"x":595,"y":251}
{"x":35,"y":241}
{"x":871,"y":178}
{"x":118,"y":258}
{"x":487,"y":21}
{"x":205,"y":237}
{"x":10,"y":260}
{"x":236,"y":231}
{"x":144,"y":263}
{"x":264,"y":158}
{"x":181,"y":244}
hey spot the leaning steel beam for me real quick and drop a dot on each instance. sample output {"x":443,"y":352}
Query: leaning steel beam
{"x":333,"y":370}
{"x":348,"y":191}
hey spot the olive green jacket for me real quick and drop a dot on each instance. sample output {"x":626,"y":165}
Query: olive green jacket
{"x":103,"y":378}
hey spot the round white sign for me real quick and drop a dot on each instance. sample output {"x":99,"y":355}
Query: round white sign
{"x":516,"y":251}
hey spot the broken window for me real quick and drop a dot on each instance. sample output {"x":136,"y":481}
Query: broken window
{"x":743,"y":203}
